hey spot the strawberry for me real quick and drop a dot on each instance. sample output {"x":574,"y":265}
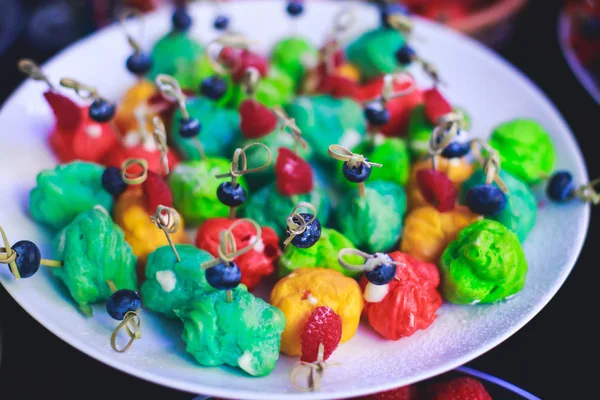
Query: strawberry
{"x":256,"y":120}
{"x":409,"y":392}
{"x":157,"y":192}
{"x":463,"y":388}
{"x":323,"y":326}
{"x":436,"y":105}
{"x":293,"y":174}
{"x":67,"y":113}
{"x":437,"y":189}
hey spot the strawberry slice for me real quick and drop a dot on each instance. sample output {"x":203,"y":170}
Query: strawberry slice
{"x":293,"y":174}
{"x":436,"y":105}
{"x":458,"y":389}
{"x":157,"y":192}
{"x":67,"y":112}
{"x":323,"y":326}
{"x":256,"y":120}
{"x":409,"y":392}
{"x":437,"y":189}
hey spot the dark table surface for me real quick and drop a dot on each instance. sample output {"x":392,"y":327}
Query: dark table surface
{"x":548,"y":357}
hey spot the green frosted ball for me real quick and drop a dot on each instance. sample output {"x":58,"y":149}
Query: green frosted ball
{"x":93,"y":251}
{"x":521,"y":206}
{"x":484,"y":264}
{"x":244,"y":333}
{"x":526,"y":149}
{"x":373,"y":223}
{"x":220,"y":129}
{"x":323,"y":254}
{"x":274,"y":90}
{"x":178,"y":55}
{"x":289,"y":55}
{"x":194,"y":189}
{"x":67,"y":190}
{"x":170,"y":284}
{"x":374,"y":52}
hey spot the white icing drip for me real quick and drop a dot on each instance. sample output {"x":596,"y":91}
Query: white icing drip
{"x":101,"y":208}
{"x":94,"y":130}
{"x":259,"y":246}
{"x":131,"y":139}
{"x":312,"y":299}
{"x":150,"y":145}
{"x":350,"y":139}
{"x":167,"y":280}
{"x":61,"y":242}
{"x":375,"y":293}
{"x":245,"y":363}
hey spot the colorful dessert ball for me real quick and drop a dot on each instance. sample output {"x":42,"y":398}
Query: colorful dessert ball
{"x":67,"y":190}
{"x":457,"y":169}
{"x":172,"y":284}
{"x":132,"y":213}
{"x":526,"y":149}
{"x":290,"y":54}
{"x":254,"y":264}
{"x":368,"y":52}
{"x":484,"y":264}
{"x":323,"y":254}
{"x":194,"y":188}
{"x":244,"y":333}
{"x":276,"y":89}
{"x":520,"y":211}
{"x":93,"y":251}
{"x":373,"y":222}
{"x":136,"y":96}
{"x":408,"y":303}
{"x":298,"y":294}
{"x":427,"y":231}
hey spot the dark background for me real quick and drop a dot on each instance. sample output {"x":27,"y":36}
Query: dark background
{"x":548,"y":357}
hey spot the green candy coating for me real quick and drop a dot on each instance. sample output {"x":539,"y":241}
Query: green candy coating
{"x":325,"y":120}
{"x":521,"y":206}
{"x":373,"y":223}
{"x":269,"y":208}
{"x":392,"y":153}
{"x":178,"y":55}
{"x":525,"y":148}
{"x":170,"y":284}
{"x":194,"y":188}
{"x":220,"y":129}
{"x":274,"y":90}
{"x":484,"y":264}
{"x":67,"y":190}
{"x":374,"y":52}
{"x":289,"y":54}
{"x":93,"y":251}
{"x":244,"y":333}
{"x":323,"y":254}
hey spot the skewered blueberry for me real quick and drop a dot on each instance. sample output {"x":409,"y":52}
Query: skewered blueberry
{"x":181,"y":19}
{"x":101,"y":110}
{"x":560,"y":187}
{"x":28,"y":258}
{"x":405,"y":55}
{"x":356,"y":174}
{"x":295,"y":8}
{"x":139,"y":63}
{"x":311,"y":235}
{"x":223,"y":276}
{"x":377,"y":114}
{"x":112,"y":181}
{"x":384,"y":273}
{"x":390,"y":10}
{"x":121,"y":302}
{"x":221,"y":23}
{"x":213,"y":87}
{"x":189,"y":127}
{"x":486,"y":200}
{"x":459,"y":147}
{"x":231,"y":195}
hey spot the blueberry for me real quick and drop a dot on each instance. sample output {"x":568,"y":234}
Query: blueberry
{"x":189,"y":127}
{"x":560,"y":187}
{"x":357,"y":174}
{"x":181,"y":19}
{"x":102,"y":111}
{"x":295,"y":8}
{"x":213,"y":87}
{"x":121,"y":302}
{"x":487,"y":200}
{"x":387,"y":11}
{"x":28,"y":258}
{"x":223,"y":276}
{"x":405,"y":55}
{"x":139,"y":63}
{"x":112,"y":181}
{"x":459,"y":147}
{"x":221,"y":23}
{"x":310,"y":236}
{"x":382,"y":274}
{"x":377,"y":114}
{"x":230,"y":195}
{"x":590,"y":27}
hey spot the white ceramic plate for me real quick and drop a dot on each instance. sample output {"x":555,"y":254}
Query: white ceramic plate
{"x":488,"y":87}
